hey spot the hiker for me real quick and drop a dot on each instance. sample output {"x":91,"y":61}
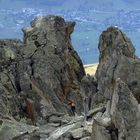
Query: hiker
{"x":72,"y":105}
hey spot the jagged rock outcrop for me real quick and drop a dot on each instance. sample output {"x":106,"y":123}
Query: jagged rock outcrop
{"x":125,"y":113}
{"x":123,"y":119}
{"x":55,"y":67}
{"x":117,"y":59}
{"x":41,"y":75}
{"x":118,"y":82}
{"x":9,"y":96}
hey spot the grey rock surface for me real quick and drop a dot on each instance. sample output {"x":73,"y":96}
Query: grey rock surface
{"x":12,"y":130}
{"x":89,"y":89}
{"x":125,"y":113}
{"x":43,"y":78}
{"x":39,"y":79}
{"x":99,"y":132}
{"x":117,"y":60}
{"x":55,"y":65}
{"x":41,"y":75}
{"x":118,"y":82}
{"x":121,"y":120}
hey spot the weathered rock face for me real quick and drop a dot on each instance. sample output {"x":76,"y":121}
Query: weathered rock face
{"x":118,"y":81}
{"x":9,"y":101}
{"x":55,"y":66}
{"x":117,"y":59}
{"x":41,"y":75}
{"x":88,"y":90}
{"x":125,"y":114}
{"x":122,"y":117}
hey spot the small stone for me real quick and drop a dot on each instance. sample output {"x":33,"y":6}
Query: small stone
{"x":77,"y":133}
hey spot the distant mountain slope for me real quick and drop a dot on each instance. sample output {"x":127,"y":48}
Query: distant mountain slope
{"x":72,"y":4}
{"x":91,"y":18}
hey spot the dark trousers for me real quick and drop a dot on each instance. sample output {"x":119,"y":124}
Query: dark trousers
{"x":73,"y":110}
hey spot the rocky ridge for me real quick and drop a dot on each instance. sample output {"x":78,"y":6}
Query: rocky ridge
{"x":118,"y":86}
{"x":42,"y":78}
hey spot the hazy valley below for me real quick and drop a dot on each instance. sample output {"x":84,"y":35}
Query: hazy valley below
{"x":91,"y":19}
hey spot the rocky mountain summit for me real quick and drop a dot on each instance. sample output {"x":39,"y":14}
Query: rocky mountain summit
{"x":46,"y":95}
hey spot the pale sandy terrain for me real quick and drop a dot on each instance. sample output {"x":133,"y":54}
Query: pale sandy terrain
{"x":91,"y":68}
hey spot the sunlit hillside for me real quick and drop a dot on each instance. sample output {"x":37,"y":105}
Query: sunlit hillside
{"x":91,"y":68}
